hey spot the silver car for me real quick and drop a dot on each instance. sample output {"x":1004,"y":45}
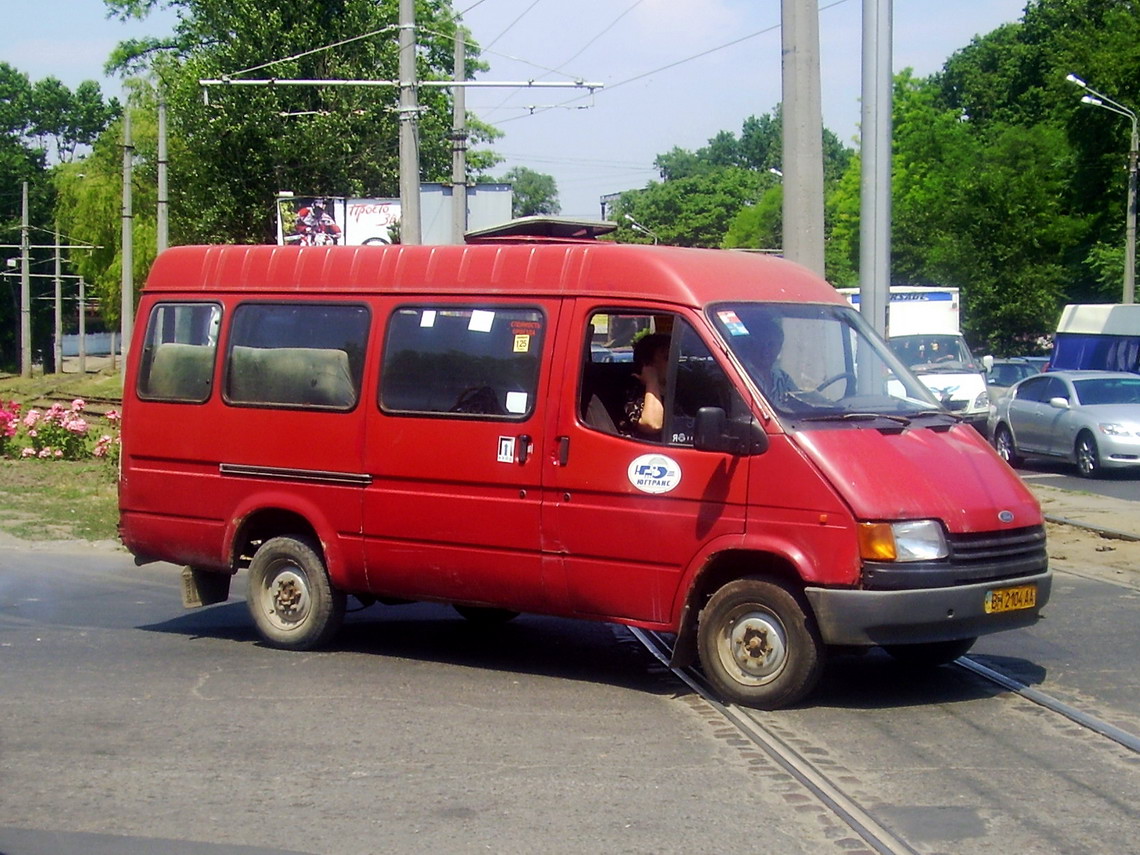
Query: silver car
{"x":1090,"y":418}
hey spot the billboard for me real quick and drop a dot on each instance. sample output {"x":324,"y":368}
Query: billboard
{"x":359,"y":221}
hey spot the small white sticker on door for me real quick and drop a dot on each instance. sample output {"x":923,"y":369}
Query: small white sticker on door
{"x":506,"y":449}
{"x":654,"y":473}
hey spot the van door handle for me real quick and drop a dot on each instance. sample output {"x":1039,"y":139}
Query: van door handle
{"x":524,"y":448}
{"x":563,"y":456}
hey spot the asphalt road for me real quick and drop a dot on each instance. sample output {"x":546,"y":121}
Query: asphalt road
{"x":129,"y":726}
{"x":1123,"y":484}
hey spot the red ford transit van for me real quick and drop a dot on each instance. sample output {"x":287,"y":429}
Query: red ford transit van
{"x":470,"y":425}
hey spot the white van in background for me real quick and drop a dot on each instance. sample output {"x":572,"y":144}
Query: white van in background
{"x":923,"y":330}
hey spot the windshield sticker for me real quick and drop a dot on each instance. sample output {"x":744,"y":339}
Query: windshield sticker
{"x":654,"y":473}
{"x":732,"y":322}
{"x":481,"y":320}
{"x":522,"y":344}
{"x":427,"y":319}
{"x":516,"y":402}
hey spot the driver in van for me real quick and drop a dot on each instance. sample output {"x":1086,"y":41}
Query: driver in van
{"x":645,"y":405}
{"x":760,"y":351}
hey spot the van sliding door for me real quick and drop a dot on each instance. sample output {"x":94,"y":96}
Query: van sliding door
{"x":453,"y":510}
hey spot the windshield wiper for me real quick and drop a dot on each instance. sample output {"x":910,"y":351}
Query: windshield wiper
{"x":857,"y":417}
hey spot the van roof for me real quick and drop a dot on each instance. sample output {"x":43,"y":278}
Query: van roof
{"x":1100,"y":319}
{"x":685,"y":276}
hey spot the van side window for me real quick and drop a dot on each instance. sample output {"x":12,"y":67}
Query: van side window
{"x":612,"y":391}
{"x":462,"y":361}
{"x":297,"y":355}
{"x":177,"y":360}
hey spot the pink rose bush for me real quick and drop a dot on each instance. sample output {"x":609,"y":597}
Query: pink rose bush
{"x":9,"y":424}
{"x":61,"y":432}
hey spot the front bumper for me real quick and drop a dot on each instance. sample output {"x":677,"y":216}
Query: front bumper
{"x":860,"y":618}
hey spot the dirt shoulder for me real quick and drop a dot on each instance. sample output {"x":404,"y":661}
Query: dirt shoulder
{"x":1075,"y":548}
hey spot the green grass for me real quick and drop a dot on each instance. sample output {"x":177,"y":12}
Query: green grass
{"x":59,"y":499}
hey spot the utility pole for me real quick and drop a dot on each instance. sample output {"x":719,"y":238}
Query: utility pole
{"x":25,"y":292}
{"x":163,"y":218}
{"x":803,"y":135}
{"x":127,"y":310}
{"x":58,"y":326}
{"x":875,"y":147}
{"x":409,"y":128}
{"x":459,"y":141}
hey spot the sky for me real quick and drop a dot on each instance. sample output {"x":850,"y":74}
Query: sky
{"x":675,"y":72}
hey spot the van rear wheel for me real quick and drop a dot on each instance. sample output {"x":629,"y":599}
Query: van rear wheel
{"x":290,"y":597}
{"x":759,"y":645}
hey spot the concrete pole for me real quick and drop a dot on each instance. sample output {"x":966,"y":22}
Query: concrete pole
{"x":459,"y":141}
{"x":57,"y":328}
{"x":82,"y":326}
{"x":409,"y":128}
{"x":875,"y":148}
{"x":127,"y":305}
{"x":163,"y":218}
{"x":1129,"y":295}
{"x":25,"y":291}
{"x":803,"y":135}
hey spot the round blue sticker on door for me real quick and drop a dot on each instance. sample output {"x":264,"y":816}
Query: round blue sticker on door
{"x":654,"y":473}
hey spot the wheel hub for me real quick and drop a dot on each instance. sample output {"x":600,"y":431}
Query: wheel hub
{"x":289,"y":598}
{"x":757,"y":646}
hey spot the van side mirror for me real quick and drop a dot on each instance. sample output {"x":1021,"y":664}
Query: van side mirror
{"x":988,"y":361}
{"x":714,"y":432}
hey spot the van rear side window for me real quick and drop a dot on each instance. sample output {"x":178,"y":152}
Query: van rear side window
{"x":177,"y":361}
{"x":297,"y":355}
{"x":462,"y":361}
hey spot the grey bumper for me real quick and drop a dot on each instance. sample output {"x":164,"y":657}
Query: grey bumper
{"x":860,"y":618}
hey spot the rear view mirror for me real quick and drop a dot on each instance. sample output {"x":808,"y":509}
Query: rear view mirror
{"x":714,"y":432}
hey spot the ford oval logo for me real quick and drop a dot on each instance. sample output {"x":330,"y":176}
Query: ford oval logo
{"x":1005,"y":516}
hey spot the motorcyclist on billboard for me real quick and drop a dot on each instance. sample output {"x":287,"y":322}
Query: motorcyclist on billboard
{"x":316,"y":225}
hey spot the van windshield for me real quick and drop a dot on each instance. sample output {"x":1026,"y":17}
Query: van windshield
{"x":820,"y":361}
{"x":938,"y":353}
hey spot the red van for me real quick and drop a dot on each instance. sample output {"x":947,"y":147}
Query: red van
{"x":707,"y":443}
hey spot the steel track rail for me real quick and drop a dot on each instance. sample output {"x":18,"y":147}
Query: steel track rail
{"x":876,"y":836}
{"x":1121,"y":737}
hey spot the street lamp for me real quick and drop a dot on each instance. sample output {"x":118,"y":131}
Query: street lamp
{"x":1099,"y":99}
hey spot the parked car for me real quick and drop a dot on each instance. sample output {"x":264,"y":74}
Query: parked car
{"x":1001,"y":374}
{"x":1090,"y":418}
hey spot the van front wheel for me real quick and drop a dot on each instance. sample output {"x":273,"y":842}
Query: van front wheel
{"x":290,"y":597}
{"x":759,"y":645}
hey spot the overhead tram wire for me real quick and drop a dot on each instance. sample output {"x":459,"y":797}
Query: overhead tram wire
{"x":670,"y":65}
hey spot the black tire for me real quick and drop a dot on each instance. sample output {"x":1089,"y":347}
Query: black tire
{"x":759,"y":645}
{"x":931,"y":654}
{"x":1087,"y":456}
{"x":1005,"y":447}
{"x":290,"y":597}
{"x":486,"y":615}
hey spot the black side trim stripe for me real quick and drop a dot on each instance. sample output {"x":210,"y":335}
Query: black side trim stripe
{"x":278,"y":473}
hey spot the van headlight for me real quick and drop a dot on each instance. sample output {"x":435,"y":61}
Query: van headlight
{"x":982,"y":401}
{"x":911,"y":540}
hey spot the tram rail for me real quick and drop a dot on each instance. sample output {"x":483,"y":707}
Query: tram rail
{"x":877,"y":837}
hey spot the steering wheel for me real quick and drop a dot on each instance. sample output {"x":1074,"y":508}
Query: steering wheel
{"x":835,"y":378}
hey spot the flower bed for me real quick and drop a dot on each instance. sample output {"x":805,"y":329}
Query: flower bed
{"x":60,"y":432}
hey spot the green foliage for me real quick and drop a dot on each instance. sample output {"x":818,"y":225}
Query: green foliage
{"x":724,"y":194}
{"x":534,"y":192}
{"x":248,"y":142}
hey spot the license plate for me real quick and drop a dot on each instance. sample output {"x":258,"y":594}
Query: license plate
{"x":1011,"y":599}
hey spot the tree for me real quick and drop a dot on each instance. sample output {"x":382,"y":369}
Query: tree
{"x":732,"y":183}
{"x":534,"y":192}
{"x":248,"y":143}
